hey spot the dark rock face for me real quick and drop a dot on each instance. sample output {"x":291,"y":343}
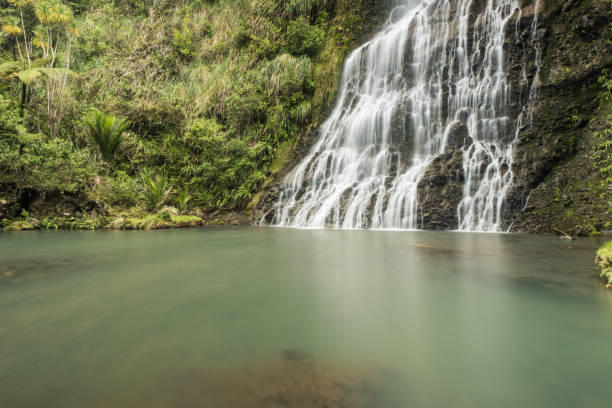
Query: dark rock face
{"x":557,"y":185}
{"x":440,"y":191}
{"x":53,"y":203}
{"x":64,"y":205}
{"x":269,"y":197}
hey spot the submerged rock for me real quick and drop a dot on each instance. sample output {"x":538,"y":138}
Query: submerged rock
{"x":18,"y":271}
{"x":295,"y":355}
{"x":296,"y":379}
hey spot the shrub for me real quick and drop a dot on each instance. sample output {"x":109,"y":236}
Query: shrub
{"x":121,"y":190}
{"x":32,"y":162}
{"x":245,"y":108}
{"x":303,"y":38}
{"x":204,"y":136}
{"x":286,"y":74}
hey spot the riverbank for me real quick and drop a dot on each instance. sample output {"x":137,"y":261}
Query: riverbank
{"x":166,"y":218}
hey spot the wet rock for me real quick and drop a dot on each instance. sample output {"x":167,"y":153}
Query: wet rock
{"x":440,"y":191}
{"x":19,"y":271}
{"x":457,"y":134}
{"x":34,"y":222}
{"x":553,"y":162}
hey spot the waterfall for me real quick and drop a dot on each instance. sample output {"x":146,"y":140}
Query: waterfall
{"x":435,"y":65}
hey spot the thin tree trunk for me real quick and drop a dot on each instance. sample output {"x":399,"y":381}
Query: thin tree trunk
{"x":24,"y":94}
{"x":25,"y":38}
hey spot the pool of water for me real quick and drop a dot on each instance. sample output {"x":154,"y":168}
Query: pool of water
{"x":301,"y":318}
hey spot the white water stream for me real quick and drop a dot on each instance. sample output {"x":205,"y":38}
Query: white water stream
{"x":435,"y":64}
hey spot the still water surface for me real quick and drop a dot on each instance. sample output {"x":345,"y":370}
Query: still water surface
{"x":293,"y":318}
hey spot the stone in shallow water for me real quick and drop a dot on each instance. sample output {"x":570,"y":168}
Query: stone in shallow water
{"x":32,"y":270}
{"x":295,"y":355}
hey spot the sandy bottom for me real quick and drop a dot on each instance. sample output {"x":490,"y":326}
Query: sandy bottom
{"x":293,"y":379}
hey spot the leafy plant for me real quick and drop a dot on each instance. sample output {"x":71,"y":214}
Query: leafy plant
{"x":304,"y":39}
{"x":40,"y":48}
{"x":120,"y":190}
{"x":107,"y":131}
{"x":156,"y":189}
{"x":182,"y":200}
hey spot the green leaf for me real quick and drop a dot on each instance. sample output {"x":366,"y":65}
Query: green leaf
{"x":8,"y":68}
{"x":56,"y":73}
{"x":29,"y":75}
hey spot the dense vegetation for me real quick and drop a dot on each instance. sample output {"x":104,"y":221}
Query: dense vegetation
{"x":604,"y":259}
{"x":115,"y":109}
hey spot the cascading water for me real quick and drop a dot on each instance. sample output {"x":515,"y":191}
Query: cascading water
{"x":434,"y":65}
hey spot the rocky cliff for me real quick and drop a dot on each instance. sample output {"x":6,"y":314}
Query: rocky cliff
{"x":560,"y":160}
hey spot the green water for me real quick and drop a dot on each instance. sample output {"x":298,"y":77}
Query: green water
{"x":293,"y":318}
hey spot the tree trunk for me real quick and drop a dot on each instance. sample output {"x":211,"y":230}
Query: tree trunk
{"x":24,"y":94}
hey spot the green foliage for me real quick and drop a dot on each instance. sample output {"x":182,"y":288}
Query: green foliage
{"x":121,"y":190}
{"x":603,"y":152}
{"x":205,"y":136}
{"x":301,"y":113}
{"x":41,"y":36}
{"x":605,"y":81}
{"x":216,"y":94}
{"x":156,"y":189}
{"x":182,"y":200}
{"x":10,"y":123}
{"x":160,"y":220}
{"x":303,"y":38}
{"x":107,"y":131}
{"x":306,"y":7}
{"x":33,"y":162}
{"x":604,"y":259}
